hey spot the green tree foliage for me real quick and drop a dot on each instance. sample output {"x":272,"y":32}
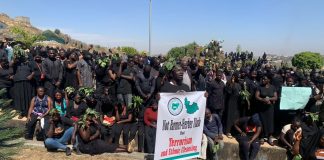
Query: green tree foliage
{"x":307,"y":60}
{"x":7,"y":133}
{"x":25,"y":37}
{"x":128,"y":50}
{"x":190,"y":50}
{"x":57,"y":31}
{"x":51,"y":36}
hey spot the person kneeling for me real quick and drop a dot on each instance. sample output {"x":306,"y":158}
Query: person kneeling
{"x":249,"y":129}
{"x":57,"y":136}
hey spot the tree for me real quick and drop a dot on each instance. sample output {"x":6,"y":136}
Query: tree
{"x":51,"y":36}
{"x":7,"y":132}
{"x":128,"y":50}
{"x":25,"y":37}
{"x":57,"y":31}
{"x":190,"y":50}
{"x":307,"y":60}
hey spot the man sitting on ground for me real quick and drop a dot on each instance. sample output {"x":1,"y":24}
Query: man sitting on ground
{"x":213,"y":135}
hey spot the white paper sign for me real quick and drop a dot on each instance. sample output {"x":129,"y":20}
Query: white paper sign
{"x":180,"y":125}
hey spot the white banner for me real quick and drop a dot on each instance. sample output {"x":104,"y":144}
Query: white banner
{"x":180,"y":125}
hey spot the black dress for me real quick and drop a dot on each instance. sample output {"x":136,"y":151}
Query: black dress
{"x":96,"y":146}
{"x":266,"y":111}
{"x":5,"y":81}
{"x":70,"y":77}
{"x":23,"y":89}
{"x":232,"y":105}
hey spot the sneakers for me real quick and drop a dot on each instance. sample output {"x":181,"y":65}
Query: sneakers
{"x":68,"y":151}
{"x":130,"y":147}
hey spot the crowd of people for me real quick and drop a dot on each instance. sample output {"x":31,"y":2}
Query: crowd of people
{"x":241,"y":103}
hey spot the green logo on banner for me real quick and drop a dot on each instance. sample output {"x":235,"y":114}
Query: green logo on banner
{"x":191,"y":108}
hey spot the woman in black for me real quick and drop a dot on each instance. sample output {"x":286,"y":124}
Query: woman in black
{"x":70,"y":64}
{"x":23,"y":89}
{"x":6,"y":75}
{"x":232,"y":109}
{"x":76,"y":108}
{"x":89,"y":141}
{"x":266,"y":96}
{"x":39,"y":76}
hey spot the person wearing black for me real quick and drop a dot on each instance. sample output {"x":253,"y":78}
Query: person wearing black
{"x":53,"y":71}
{"x":124,"y":118}
{"x":23,"y":89}
{"x":145,"y":83}
{"x":3,"y":52}
{"x":249,"y":129}
{"x":71,"y":79}
{"x":216,"y":94}
{"x":233,"y":104}
{"x":39,"y":75}
{"x":267,"y":96}
{"x":6,"y":75}
{"x":124,"y":85}
{"x":87,"y":136}
{"x":175,"y":83}
{"x":253,"y":84}
{"x":75,"y":109}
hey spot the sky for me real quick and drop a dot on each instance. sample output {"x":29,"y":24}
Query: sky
{"x":281,"y":27}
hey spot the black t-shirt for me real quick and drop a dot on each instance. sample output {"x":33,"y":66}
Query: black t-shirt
{"x":125,"y":85}
{"x":71,"y":111}
{"x":170,"y":88}
{"x":5,"y":82}
{"x":59,"y":129}
{"x":22,"y":71}
{"x":267,"y":92}
{"x":250,"y":130}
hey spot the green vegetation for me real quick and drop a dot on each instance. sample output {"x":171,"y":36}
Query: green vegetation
{"x":190,"y":50}
{"x":7,"y":133}
{"x":25,"y":37}
{"x":53,"y":36}
{"x":128,"y":50}
{"x":307,"y":60}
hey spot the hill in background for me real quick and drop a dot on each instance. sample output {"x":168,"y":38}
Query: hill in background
{"x":55,"y":38}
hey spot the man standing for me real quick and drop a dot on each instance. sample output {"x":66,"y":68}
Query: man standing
{"x":145,"y":83}
{"x":53,"y":71}
{"x":215,"y":89}
{"x":187,"y":77}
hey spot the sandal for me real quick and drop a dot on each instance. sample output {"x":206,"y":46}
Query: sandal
{"x":261,"y":141}
{"x":270,"y":141}
{"x":228,"y":135}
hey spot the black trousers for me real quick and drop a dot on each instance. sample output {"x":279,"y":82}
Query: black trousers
{"x":118,"y":128}
{"x":137,"y":127}
{"x":150,"y":134}
{"x":30,"y":126}
{"x":248,"y":152}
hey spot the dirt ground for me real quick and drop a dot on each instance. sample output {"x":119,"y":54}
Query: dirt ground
{"x":38,"y":153}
